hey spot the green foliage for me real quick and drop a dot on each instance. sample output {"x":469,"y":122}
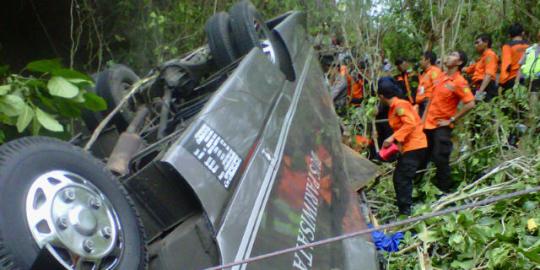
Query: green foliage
{"x":499,"y":236}
{"x":46,"y":101}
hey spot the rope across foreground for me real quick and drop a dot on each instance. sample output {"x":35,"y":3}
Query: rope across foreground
{"x":382,"y":227}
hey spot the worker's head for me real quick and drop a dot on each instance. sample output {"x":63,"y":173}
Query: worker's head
{"x":428,"y":58}
{"x":482,"y":42}
{"x":515,"y":30}
{"x":387,"y":89}
{"x":456,"y":59}
{"x":402,"y":64}
{"x":538,"y":36}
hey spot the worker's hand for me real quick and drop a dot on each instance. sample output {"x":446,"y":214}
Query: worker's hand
{"x":480,"y":95}
{"x":443,"y":123}
{"x":388,"y":142}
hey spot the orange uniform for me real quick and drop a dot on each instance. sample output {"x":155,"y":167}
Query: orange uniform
{"x":487,"y":64}
{"x":446,"y":96}
{"x":357,"y":92}
{"x":407,"y":125}
{"x":403,"y":79}
{"x":428,"y":80}
{"x":355,"y":88}
{"x":343,"y":71}
{"x":510,"y":56}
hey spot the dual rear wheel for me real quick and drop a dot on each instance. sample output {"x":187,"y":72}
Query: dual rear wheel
{"x":233,"y":34}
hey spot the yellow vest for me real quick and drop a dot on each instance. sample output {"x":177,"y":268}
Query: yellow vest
{"x":531,"y":66}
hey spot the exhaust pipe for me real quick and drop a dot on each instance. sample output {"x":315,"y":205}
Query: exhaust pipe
{"x":127,"y":145}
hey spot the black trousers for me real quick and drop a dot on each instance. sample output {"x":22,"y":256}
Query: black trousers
{"x":509,"y":84}
{"x":438,"y":152}
{"x":407,"y":165}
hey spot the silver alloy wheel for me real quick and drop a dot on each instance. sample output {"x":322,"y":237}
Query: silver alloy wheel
{"x":264,"y":41}
{"x":74,"y":220}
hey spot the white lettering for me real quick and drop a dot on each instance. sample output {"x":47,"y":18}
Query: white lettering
{"x":308,"y":217}
{"x":298,"y":263}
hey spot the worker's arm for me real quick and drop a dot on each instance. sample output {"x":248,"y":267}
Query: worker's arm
{"x":491,"y":71}
{"x":485,"y":83}
{"x":470,"y":69}
{"x":464,"y":110}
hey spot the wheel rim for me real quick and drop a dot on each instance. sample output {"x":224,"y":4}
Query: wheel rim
{"x":264,"y":40}
{"x":74,"y":220}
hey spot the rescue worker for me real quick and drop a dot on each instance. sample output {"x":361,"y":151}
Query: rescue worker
{"x":442,"y":114}
{"x":430,"y":76}
{"x":382,"y":127}
{"x":484,"y":70}
{"x":403,"y":78}
{"x":512,"y":52}
{"x":408,"y":134}
{"x":356,"y":93}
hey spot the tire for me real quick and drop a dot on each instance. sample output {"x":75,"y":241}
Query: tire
{"x":27,"y":163}
{"x":250,"y":30}
{"x":112,"y":84}
{"x":245,"y":21}
{"x":220,"y":42}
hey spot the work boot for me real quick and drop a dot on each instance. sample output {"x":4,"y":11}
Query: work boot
{"x":405,"y":210}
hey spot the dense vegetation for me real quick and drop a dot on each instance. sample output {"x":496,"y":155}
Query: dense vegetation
{"x":499,"y":236}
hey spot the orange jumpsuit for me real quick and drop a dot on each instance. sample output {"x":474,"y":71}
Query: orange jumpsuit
{"x":510,"y":56}
{"x":446,"y":97}
{"x":357,"y":92}
{"x":407,"y":125}
{"x":428,"y":80}
{"x":343,"y":71}
{"x":486,"y":64}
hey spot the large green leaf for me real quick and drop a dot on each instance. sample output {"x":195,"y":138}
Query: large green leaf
{"x":48,"y":122}
{"x":94,"y":102}
{"x":71,"y":74}
{"x":36,"y":127}
{"x":67,"y":108}
{"x":81,"y":83}
{"x":61,"y":87}
{"x":11,"y":105}
{"x":24,"y":118}
{"x":4,"y":89}
{"x":4,"y":119}
{"x":44,"y":66}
